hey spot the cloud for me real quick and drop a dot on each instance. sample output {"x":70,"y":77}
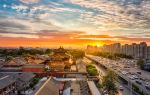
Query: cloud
{"x":100,"y":20}
{"x":58,"y":34}
{"x":16,"y":25}
{"x":55,"y":40}
{"x":5,"y":24}
{"x":29,"y":1}
{"x":20,"y":8}
{"x":121,"y":13}
{"x":80,"y":35}
{"x":10,"y":32}
{"x":4,"y":6}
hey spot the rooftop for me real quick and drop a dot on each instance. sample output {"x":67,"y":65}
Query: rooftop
{"x":6,"y":80}
{"x":9,"y":78}
{"x":48,"y":88}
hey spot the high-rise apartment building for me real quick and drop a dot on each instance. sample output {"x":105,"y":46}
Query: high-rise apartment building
{"x":138,"y":51}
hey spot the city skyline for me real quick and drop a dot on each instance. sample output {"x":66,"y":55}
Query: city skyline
{"x":49,"y":23}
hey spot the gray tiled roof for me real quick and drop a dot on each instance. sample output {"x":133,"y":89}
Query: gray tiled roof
{"x":9,"y":78}
{"x":25,"y":77}
{"x":48,"y":88}
{"x":6,"y":80}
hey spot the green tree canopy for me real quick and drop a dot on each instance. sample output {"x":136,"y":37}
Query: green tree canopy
{"x":140,"y":63}
{"x":76,"y":54}
{"x":109,"y":83}
{"x":91,"y":70}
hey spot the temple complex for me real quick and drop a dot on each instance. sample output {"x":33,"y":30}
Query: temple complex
{"x":59,"y":60}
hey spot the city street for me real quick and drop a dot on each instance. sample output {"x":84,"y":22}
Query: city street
{"x":126,"y":90}
{"x":126,"y":69}
{"x":102,"y":72}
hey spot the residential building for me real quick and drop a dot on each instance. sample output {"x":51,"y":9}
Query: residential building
{"x":147,"y":65}
{"x":137,"y":51}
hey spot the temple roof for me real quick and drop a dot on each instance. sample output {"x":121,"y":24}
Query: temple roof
{"x":60,"y":50}
{"x":59,"y":54}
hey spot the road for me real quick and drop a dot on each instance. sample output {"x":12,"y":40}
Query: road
{"x":102,"y":72}
{"x":111,"y":64}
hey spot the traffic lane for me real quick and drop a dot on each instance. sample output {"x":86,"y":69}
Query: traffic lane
{"x":145,"y":90}
{"x":125,"y":91}
{"x":141,"y":86}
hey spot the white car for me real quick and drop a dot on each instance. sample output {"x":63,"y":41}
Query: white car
{"x":131,"y":77}
{"x":124,"y":72}
{"x":121,"y":87}
{"x":135,"y":77}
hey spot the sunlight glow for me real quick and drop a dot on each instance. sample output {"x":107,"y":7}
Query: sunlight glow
{"x":97,"y":44}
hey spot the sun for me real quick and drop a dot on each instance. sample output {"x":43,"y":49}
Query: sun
{"x":97,"y":44}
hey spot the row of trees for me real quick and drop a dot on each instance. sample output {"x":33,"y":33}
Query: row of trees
{"x":111,"y":56}
{"x":22,"y":51}
{"x":109,"y":83}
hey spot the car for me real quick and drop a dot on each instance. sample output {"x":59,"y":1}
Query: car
{"x":135,"y":76}
{"x":147,"y":87}
{"x":121,"y":87}
{"x":143,"y":79}
{"x":147,"y":83}
{"x":139,"y":72}
{"x":105,"y":92}
{"x":124,"y":72}
{"x":139,"y":82}
{"x":131,"y":77}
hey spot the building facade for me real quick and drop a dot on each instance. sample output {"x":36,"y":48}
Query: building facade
{"x":36,"y":68}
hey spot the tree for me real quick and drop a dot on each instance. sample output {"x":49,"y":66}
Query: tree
{"x":48,"y":51}
{"x":91,"y":70}
{"x":109,"y":83}
{"x":90,"y":66}
{"x":140,"y":63}
{"x":76,"y":54}
{"x":9,"y":58}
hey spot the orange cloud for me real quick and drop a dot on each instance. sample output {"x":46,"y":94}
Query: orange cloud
{"x":31,"y":42}
{"x":79,"y":39}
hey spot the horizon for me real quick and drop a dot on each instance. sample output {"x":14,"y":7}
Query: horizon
{"x":67,"y":47}
{"x":73,"y":23}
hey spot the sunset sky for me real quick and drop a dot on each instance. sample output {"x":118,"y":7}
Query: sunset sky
{"x":48,"y":23}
